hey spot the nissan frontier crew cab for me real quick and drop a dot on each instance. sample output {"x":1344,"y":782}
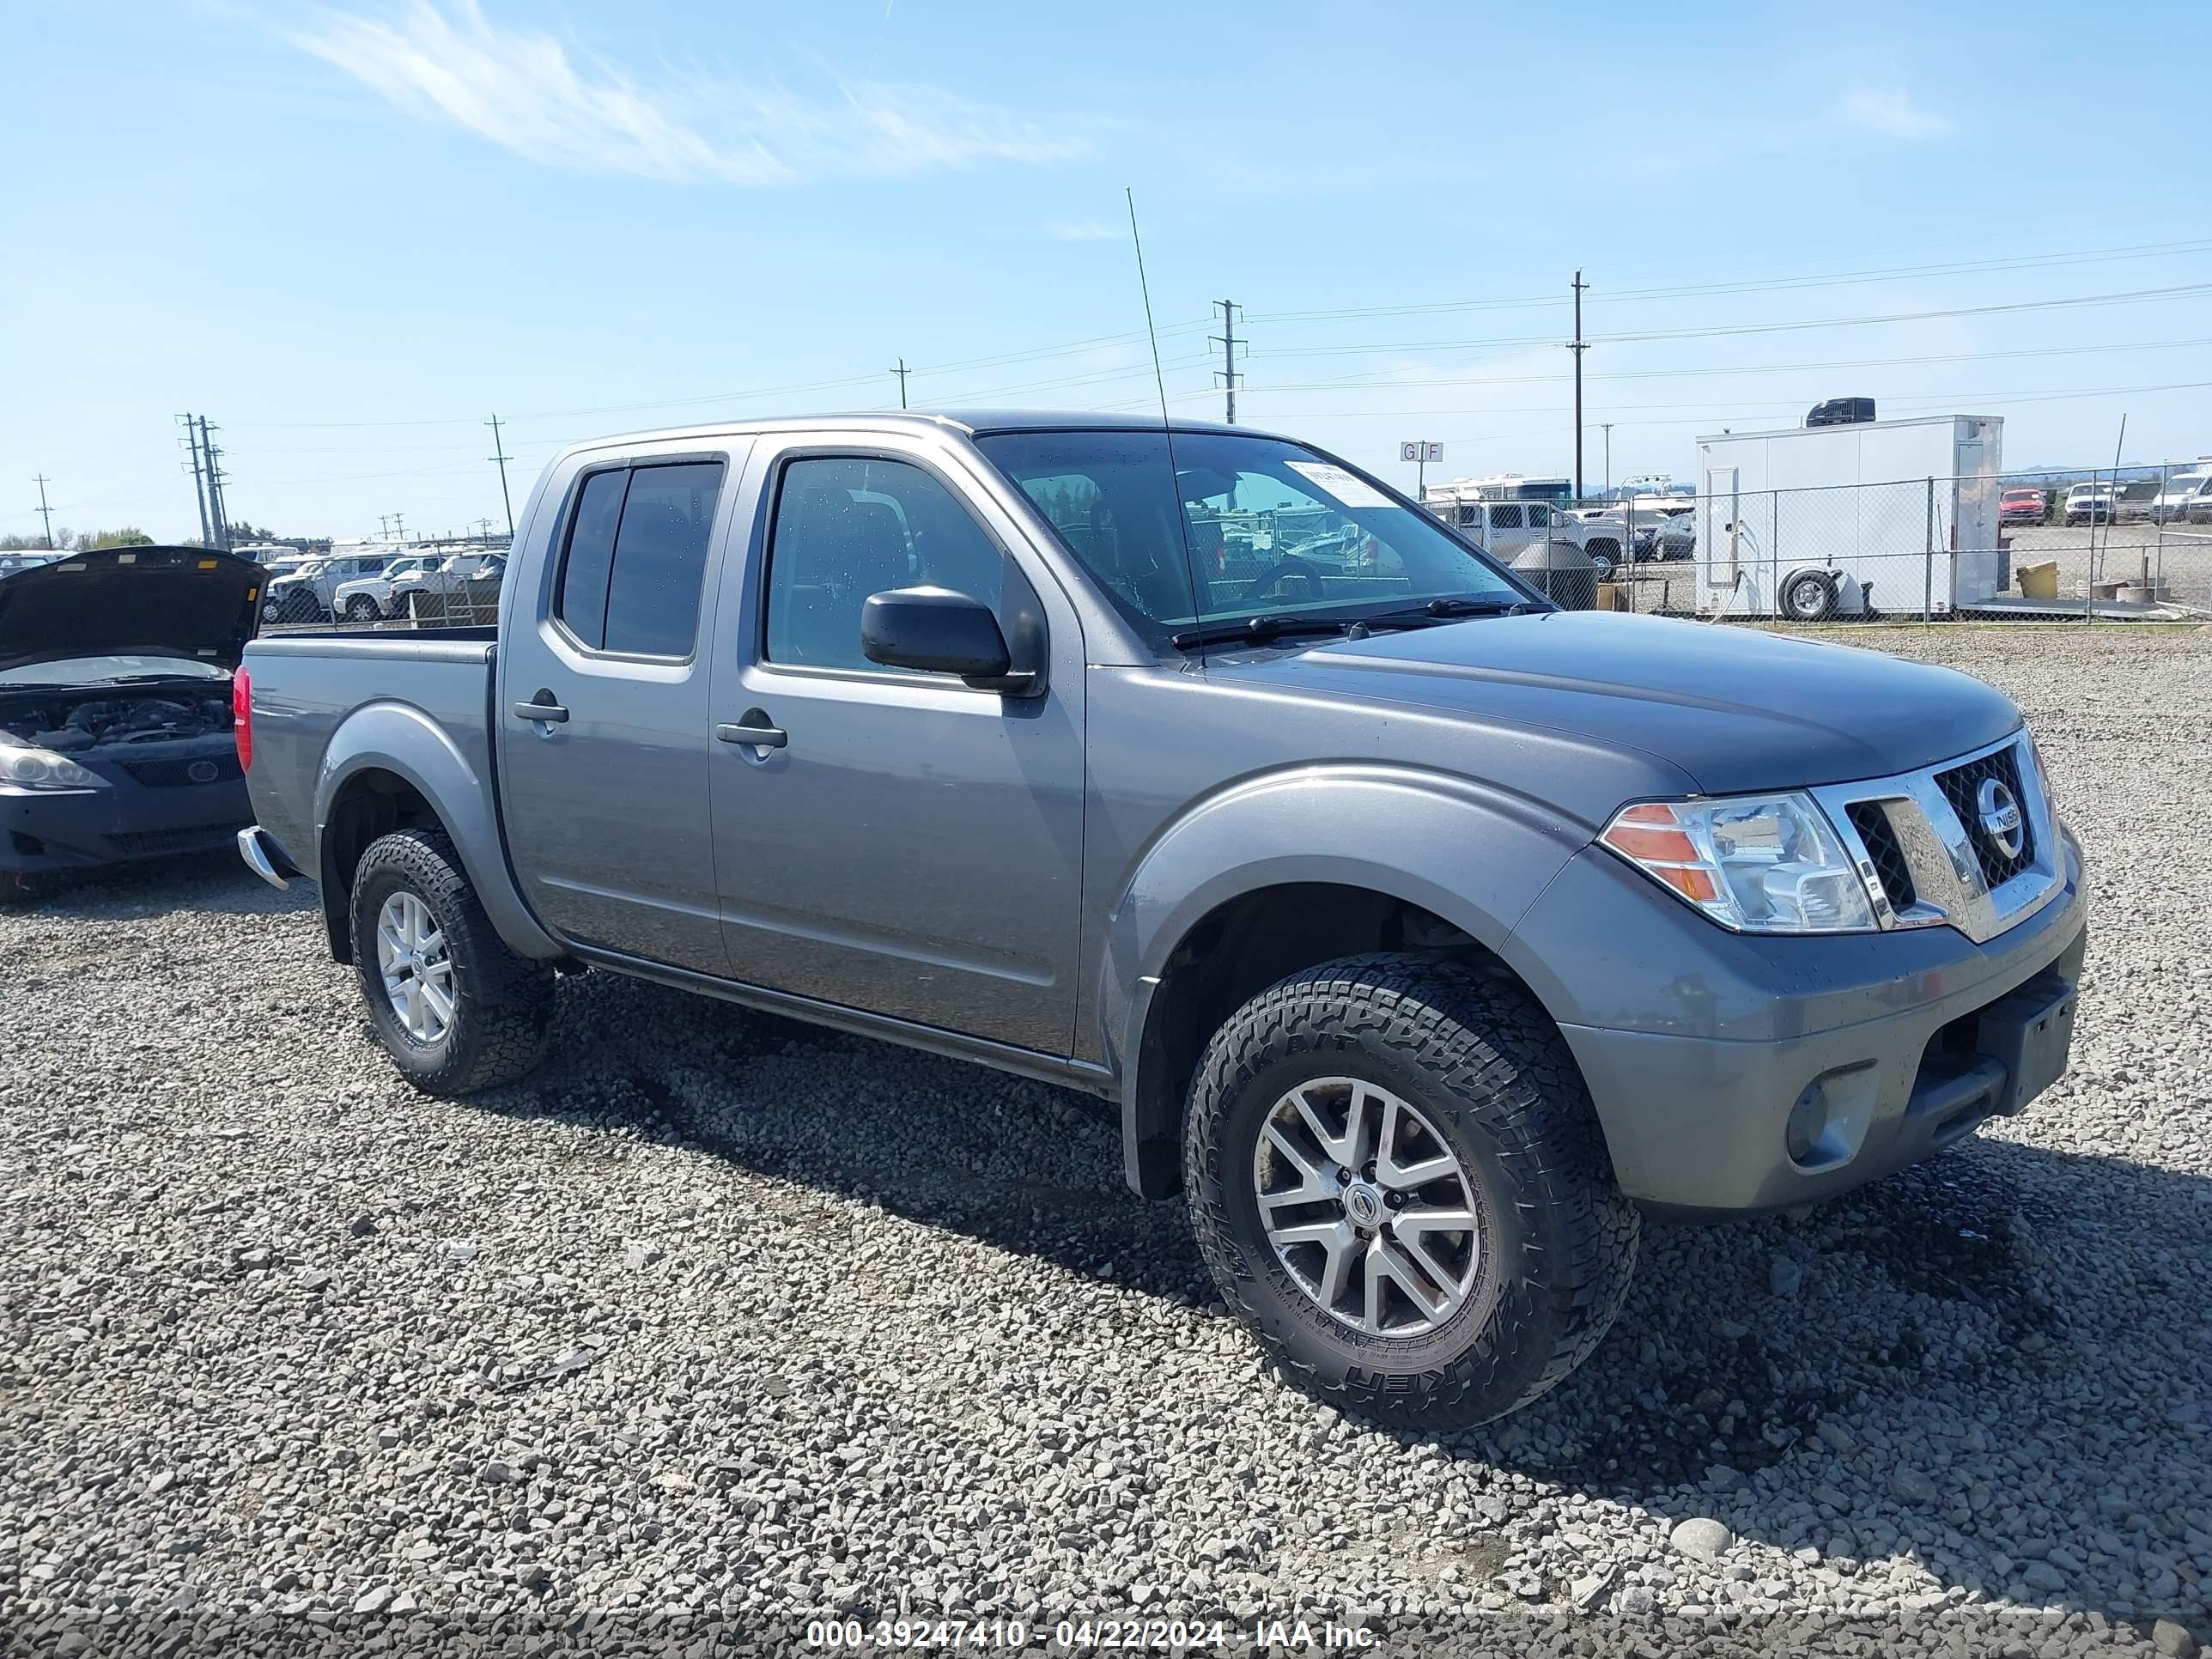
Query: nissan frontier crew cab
{"x":1427,"y":937}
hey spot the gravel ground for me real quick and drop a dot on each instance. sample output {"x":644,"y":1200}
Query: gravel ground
{"x":723,"y":1324}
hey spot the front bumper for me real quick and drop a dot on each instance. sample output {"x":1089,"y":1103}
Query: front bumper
{"x":1705,"y":1041}
{"x":125,"y":821}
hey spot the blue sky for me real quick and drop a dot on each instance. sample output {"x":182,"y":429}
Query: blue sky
{"x":351,"y":234}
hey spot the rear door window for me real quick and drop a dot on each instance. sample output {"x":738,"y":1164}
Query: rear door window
{"x":1505,"y":518}
{"x":636,"y":558}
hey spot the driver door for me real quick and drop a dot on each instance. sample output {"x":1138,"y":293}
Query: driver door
{"x":896,"y":841}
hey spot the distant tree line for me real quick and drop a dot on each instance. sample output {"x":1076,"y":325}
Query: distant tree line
{"x":70,"y":541}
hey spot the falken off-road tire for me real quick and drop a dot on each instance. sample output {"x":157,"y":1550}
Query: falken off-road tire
{"x":1484,"y":1071}
{"x":496,"y":1005}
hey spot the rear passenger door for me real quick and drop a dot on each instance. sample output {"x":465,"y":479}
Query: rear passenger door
{"x":602,"y":706}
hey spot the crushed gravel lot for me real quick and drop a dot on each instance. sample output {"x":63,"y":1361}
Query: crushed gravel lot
{"x":722,"y":1324}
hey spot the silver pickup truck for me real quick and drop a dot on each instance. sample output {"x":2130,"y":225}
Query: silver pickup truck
{"x":1426,"y":937}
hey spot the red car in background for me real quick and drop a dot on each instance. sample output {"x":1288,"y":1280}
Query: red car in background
{"x":2023,"y":507}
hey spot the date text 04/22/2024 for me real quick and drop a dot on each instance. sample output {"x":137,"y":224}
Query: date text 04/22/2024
{"x":1086,"y":1635}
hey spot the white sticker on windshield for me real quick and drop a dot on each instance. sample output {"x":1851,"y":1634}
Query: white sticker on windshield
{"x":1348,"y":487}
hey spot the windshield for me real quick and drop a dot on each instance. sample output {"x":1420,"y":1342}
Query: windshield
{"x":1273,"y":529}
{"x":84,"y":670}
{"x":2187,"y":483}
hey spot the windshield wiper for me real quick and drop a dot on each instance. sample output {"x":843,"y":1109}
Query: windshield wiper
{"x":1430,"y":612}
{"x":1258,"y":631}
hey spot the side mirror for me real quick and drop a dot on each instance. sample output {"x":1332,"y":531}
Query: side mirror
{"x":937,"y":631}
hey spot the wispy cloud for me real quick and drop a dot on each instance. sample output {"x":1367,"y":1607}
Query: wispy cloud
{"x":1089,"y":228}
{"x":1888,"y":111}
{"x":528,"y":93}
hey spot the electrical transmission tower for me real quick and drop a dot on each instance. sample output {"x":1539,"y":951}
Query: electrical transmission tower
{"x":1227,"y":374}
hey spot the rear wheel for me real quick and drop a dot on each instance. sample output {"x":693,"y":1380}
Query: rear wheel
{"x":455,"y":1009}
{"x":1397,"y":1180}
{"x":362,"y":609}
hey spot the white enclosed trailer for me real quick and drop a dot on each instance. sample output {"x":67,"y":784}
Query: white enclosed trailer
{"x":1839,"y":520}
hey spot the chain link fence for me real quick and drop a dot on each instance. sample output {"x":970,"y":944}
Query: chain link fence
{"x":2047,"y":546}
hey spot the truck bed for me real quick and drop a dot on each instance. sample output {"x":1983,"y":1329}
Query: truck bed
{"x":306,"y":684}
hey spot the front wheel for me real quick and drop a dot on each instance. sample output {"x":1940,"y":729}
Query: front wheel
{"x":455,"y":1009}
{"x":1397,"y":1180}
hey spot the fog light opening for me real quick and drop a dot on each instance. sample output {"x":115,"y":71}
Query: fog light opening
{"x":1808,"y":1123}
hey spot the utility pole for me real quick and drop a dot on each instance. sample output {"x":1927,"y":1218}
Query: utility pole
{"x":200,"y":481}
{"x":1608,"y":425}
{"x":45,"y":513}
{"x":399,"y":525}
{"x":1227,"y":373}
{"x":499,"y":453}
{"x":901,"y":371}
{"x":217,"y":509}
{"x":1579,"y":347}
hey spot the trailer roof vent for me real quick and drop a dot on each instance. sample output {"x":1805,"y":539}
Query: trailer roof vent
{"x":1840,"y":411}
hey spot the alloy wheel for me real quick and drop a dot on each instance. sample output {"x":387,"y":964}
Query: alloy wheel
{"x":1367,"y":1207}
{"x":417,"y":966}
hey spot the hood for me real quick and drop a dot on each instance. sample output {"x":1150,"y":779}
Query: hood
{"x":132,"y":601}
{"x":1736,"y":708}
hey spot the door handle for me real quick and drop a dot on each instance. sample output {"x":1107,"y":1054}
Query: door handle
{"x":541,"y":708}
{"x":755,"y":734}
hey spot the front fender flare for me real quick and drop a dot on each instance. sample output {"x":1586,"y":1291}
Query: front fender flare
{"x":400,"y":738}
{"x":1472,"y":854}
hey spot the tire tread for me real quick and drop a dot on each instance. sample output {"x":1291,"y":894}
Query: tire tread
{"x":1490,"y":1046}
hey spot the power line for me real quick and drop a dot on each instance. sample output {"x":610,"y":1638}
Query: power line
{"x":2187,"y":290}
{"x":1736,"y":286}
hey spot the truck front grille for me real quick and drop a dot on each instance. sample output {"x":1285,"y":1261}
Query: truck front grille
{"x":1929,"y":858}
{"x":1961,"y":787}
{"x":1872,"y":823}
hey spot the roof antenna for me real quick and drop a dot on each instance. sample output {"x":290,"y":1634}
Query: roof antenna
{"x":1167,"y":428}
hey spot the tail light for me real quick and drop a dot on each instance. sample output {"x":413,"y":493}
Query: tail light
{"x":241,"y":717}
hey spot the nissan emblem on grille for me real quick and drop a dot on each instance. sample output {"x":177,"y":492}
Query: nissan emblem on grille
{"x":2000,"y":816}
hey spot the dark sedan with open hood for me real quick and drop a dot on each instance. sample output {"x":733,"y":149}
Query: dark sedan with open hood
{"x":115,"y":706}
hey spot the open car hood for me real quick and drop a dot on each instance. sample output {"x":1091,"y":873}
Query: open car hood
{"x":132,"y":601}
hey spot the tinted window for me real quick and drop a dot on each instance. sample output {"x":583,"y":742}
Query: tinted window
{"x":582,"y":602}
{"x":1538,"y":517}
{"x":660,"y":557}
{"x":1505,"y":518}
{"x":846,"y":528}
{"x":636,"y":556}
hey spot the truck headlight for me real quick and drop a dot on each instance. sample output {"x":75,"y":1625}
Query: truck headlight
{"x":22,"y":766}
{"x":1758,"y":864}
